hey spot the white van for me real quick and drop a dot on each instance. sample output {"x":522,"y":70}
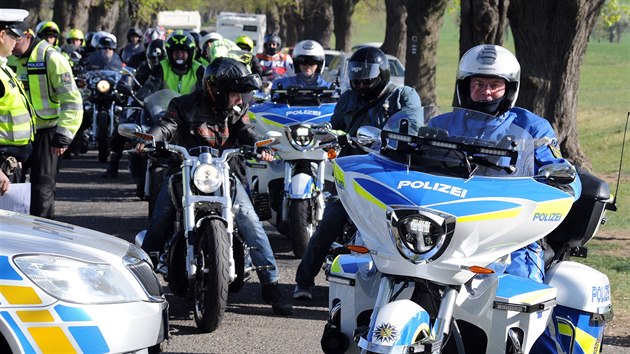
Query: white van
{"x":185,"y":20}
{"x":232,"y":25}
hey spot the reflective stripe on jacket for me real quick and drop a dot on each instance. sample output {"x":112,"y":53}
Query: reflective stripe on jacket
{"x":16,"y":121}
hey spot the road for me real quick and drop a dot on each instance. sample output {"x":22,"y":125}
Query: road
{"x":249,"y":325}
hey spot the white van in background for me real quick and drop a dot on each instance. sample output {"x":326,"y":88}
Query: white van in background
{"x":232,"y":25}
{"x":185,"y":20}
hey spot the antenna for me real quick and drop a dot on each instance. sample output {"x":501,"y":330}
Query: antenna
{"x":613,"y":205}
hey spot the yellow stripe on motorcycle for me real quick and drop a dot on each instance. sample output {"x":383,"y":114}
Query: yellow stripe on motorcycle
{"x":587,"y":342}
{"x":51,"y":340}
{"x":367,"y":196}
{"x":20,"y":295}
{"x":35,"y":316}
{"x":502,"y":214}
{"x":561,"y":206}
{"x":272,"y":123}
{"x":339,"y":175}
{"x":536,"y":297}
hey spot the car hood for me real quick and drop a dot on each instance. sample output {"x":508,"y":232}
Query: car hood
{"x":22,"y":234}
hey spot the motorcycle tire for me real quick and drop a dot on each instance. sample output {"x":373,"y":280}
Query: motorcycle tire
{"x":210,"y":284}
{"x":101,"y":136}
{"x":301,"y":228}
{"x":176,"y":278}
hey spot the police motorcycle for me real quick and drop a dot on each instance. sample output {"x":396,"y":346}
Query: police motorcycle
{"x":206,"y":257}
{"x":103,"y":104}
{"x":438,"y":216}
{"x":290,"y":190}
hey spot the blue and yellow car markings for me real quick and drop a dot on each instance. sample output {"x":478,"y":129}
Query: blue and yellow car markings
{"x":6,"y":270}
{"x":20,"y":295}
{"x":89,"y":338}
{"x":27,"y":348}
{"x":72,"y":314}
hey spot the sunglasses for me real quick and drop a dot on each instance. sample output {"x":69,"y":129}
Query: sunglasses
{"x":15,"y":33}
{"x":363,"y":82}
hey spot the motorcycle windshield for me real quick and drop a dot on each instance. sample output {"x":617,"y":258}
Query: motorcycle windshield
{"x":459,"y":143}
{"x":157,"y":102}
{"x":94,"y":76}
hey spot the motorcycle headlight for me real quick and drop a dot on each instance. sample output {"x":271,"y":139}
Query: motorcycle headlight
{"x":300,"y":136}
{"x":77,"y":281}
{"x":103,"y":86}
{"x":421,"y":235}
{"x":207,"y":178}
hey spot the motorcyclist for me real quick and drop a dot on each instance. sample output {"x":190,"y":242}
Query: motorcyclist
{"x":151,"y":34}
{"x":105,"y":56}
{"x":74,"y":42}
{"x":134,"y":45}
{"x":155,"y":53}
{"x":48,"y":31}
{"x":247,"y":44}
{"x":179,"y":71}
{"x":488,"y":81}
{"x":205,"y":43}
{"x":279,"y":64}
{"x":309,"y":60}
{"x":215,"y":116}
{"x":371,"y":100}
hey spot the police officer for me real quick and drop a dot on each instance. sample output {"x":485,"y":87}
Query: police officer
{"x":15,"y":111}
{"x":49,"y":83}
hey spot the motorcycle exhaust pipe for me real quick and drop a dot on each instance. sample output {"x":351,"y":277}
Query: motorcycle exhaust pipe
{"x":333,"y":340}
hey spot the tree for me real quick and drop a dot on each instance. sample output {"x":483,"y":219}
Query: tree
{"x":395,"y":29}
{"x":342,"y":15}
{"x":424,"y":19}
{"x":550,"y":58}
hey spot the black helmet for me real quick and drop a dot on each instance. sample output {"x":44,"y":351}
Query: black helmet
{"x":155,"y":52}
{"x":271,"y":38}
{"x":133,"y":31}
{"x":225,"y":75}
{"x":180,"y":40}
{"x":106,"y":42}
{"x":368,"y":72}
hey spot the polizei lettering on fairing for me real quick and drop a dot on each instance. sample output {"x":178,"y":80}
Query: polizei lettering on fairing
{"x":435,"y":186}
{"x":547,"y":217}
{"x":310,"y":112}
{"x":600,"y":293}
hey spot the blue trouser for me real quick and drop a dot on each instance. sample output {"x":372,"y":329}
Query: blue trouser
{"x":328,"y":230}
{"x":249,"y":226}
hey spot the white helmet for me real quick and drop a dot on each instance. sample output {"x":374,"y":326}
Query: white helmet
{"x":489,"y":60}
{"x":309,"y":51}
{"x":212,"y":36}
{"x":100,"y":34}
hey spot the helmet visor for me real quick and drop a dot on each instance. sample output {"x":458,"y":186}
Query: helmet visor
{"x":247,"y":84}
{"x":363,"y":71}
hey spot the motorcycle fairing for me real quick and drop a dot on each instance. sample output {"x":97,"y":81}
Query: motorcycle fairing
{"x":588,"y":336}
{"x":494,"y":215}
{"x":301,"y":186}
{"x":279,"y":115}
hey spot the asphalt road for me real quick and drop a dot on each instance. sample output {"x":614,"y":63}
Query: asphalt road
{"x":249,"y":325}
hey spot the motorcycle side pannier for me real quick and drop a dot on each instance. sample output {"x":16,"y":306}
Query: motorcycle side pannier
{"x":585,"y":215}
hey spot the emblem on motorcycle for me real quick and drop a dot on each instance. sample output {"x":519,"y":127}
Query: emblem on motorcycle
{"x":386,"y":332}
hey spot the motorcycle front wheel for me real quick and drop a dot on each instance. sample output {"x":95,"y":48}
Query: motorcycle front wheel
{"x":101,"y":135}
{"x":210,"y":286}
{"x":301,"y":227}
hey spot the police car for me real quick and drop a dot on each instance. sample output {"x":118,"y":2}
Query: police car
{"x":68,"y":289}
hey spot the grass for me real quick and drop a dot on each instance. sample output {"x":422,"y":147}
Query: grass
{"x":603,"y":104}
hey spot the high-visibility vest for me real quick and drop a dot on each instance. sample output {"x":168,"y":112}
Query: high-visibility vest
{"x":38,"y":85}
{"x":16,"y":120}
{"x":183,"y":84}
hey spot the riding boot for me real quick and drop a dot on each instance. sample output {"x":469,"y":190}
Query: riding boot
{"x":112,"y":169}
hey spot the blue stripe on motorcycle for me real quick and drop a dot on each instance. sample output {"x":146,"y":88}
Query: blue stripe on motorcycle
{"x":520,"y":290}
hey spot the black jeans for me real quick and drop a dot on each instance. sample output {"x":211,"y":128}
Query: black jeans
{"x":329,"y":229}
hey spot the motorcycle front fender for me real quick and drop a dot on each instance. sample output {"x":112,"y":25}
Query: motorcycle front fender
{"x":301,"y":186}
{"x":398,"y":324}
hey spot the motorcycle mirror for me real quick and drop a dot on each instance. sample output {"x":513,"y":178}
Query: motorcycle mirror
{"x":128,"y":71}
{"x":133,"y":131}
{"x":366,"y":135}
{"x":561,"y":173}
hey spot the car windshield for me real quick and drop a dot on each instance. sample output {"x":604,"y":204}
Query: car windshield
{"x":459,"y":143}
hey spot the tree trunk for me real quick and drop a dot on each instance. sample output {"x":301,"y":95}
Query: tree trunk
{"x":482,"y":22}
{"x":550,"y":58}
{"x":103,"y":15}
{"x":342,"y":14}
{"x":317,"y":20}
{"x":69,"y":14}
{"x":395,"y":29}
{"x":424,"y":19}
